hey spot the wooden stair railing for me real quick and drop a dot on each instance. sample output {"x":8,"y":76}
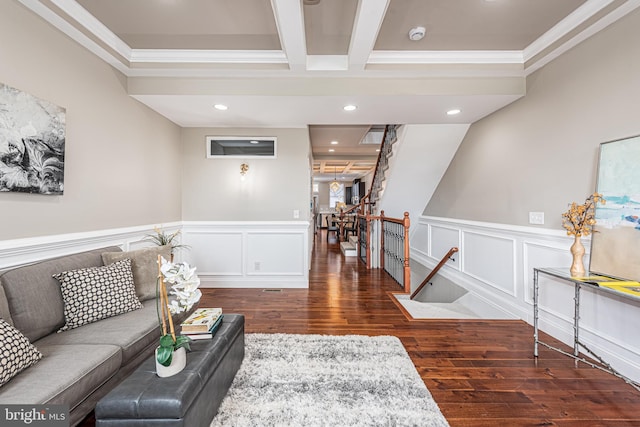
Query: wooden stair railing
{"x":393,"y":250}
{"x":434,"y":271}
{"x":388,"y":139}
{"x":398,"y":250}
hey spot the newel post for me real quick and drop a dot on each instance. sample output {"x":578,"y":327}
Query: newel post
{"x":407,"y":270}
{"x":382,"y":240}
{"x":368,"y":241}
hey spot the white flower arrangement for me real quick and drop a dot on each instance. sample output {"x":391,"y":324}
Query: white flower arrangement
{"x":184,"y":284}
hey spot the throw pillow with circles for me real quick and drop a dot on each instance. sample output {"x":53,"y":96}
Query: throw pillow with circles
{"x":95,"y":293}
{"x":16,"y":352}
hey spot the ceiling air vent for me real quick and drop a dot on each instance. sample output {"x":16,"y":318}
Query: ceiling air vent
{"x":373,"y":136}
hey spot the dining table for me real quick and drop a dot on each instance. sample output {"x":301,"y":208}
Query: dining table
{"x":342,"y":222}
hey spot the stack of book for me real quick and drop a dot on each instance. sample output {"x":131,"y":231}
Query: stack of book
{"x":202,"y":324}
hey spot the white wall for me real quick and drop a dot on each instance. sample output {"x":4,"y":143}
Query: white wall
{"x":271,"y":191}
{"x":540,"y":154}
{"x":120,"y":159}
{"x":243,"y":233}
{"x":249,"y":254}
{"x":496,"y":263}
{"x":420,"y":157}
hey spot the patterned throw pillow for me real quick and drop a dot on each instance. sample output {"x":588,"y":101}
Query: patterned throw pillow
{"x":16,"y":352}
{"x":92,"y":294}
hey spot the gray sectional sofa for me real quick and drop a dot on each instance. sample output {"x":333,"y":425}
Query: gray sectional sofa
{"x":80,"y":365}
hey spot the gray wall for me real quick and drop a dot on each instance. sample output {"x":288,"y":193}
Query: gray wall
{"x":121,"y":157}
{"x":271,"y":191}
{"x":540,"y":153}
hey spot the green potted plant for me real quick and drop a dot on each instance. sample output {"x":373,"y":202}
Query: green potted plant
{"x":162,"y":238}
{"x":183,"y":283}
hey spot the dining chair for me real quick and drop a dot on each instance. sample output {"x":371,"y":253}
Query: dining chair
{"x":332,"y":226}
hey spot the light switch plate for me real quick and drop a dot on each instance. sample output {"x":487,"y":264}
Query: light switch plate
{"x":536,"y":218}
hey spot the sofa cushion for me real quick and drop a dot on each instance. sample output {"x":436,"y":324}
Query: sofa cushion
{"x":144,"y":263}
{"x":4,"y":306}
{"x":16,"y":352}
{"x":67,"y":374}
{"x":132,"y":332}
{"x":92,"y":294}
{"x":34,"y":296}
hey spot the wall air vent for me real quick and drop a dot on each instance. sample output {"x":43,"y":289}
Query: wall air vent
{"x":241,"y":146}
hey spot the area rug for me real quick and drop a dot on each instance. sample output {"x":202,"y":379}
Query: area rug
{"x":322,"y":380}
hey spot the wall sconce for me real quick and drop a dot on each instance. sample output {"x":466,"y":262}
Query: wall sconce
{"x":244,"y":168}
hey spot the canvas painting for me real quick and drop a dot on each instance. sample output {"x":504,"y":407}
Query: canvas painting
{"x":32,"y":138}
{"x":616,"y":237}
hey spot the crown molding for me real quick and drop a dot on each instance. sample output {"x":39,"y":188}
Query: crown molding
{"x":446,"y":57}
{"x":185,"y":56}
{"x":95,"y":27}
{"x":530,"y":52}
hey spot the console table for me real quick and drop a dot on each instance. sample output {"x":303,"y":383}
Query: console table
{"x":578,"y":284}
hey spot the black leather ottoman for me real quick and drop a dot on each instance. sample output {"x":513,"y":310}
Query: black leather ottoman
{"x":189,"y":398}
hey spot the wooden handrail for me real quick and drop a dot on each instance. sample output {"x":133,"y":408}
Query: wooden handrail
{"x":351,"y":209}
{"x":375,"y":171}
{"x":434,"y":271}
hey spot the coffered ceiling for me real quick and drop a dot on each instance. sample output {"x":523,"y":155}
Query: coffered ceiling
{"x":296,"y":63}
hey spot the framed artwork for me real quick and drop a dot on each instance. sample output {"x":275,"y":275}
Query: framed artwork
{"x":616,"y":237}
{"x":32,"y":138}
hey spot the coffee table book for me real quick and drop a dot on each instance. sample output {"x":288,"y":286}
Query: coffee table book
{"x":201,"y":320}
{"x":206,"y":335}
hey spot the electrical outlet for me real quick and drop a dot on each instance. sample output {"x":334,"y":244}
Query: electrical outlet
{"x":296,"y":214}
{"x":256,"y":266}
{"x":536,"y":218}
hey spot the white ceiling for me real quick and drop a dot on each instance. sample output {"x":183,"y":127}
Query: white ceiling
{"x":287,"y":63}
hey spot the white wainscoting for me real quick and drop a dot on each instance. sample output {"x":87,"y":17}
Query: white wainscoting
{"x":249,"y":254}
{"x":25,"y":251}
{"x":496,"y":262}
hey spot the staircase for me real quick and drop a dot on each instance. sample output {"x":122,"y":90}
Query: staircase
{"x":350,"y":247}
{"x":386,"y":149}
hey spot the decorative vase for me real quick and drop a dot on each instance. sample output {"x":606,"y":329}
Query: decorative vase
{"x":178,"y":362}
{"x":577,"y":251}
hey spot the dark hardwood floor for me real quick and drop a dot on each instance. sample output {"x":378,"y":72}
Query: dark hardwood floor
{"x":481,"y":373}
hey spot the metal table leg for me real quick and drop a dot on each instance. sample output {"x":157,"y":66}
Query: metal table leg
{"x":576,"y":322}
{"x":535,"y":313}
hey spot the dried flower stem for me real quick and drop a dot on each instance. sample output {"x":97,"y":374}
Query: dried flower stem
{"x":579,"y":219}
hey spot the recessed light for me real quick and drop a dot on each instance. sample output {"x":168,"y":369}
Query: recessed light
{"x":254,"y":142}
{"x":349,"y":107}
{"x":220,"y":107}
{"x":453,"y":112}
{"x":377,"y":150}
{"x":331,"y":150}
{"x":334,"y":142}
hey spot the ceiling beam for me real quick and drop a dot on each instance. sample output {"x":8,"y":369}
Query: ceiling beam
{"x":369,"y":17}
{"x":290,"y":22}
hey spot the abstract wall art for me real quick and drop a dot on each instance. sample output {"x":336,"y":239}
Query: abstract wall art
{"x":616,"y":237}
{"x":32,"y":140}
